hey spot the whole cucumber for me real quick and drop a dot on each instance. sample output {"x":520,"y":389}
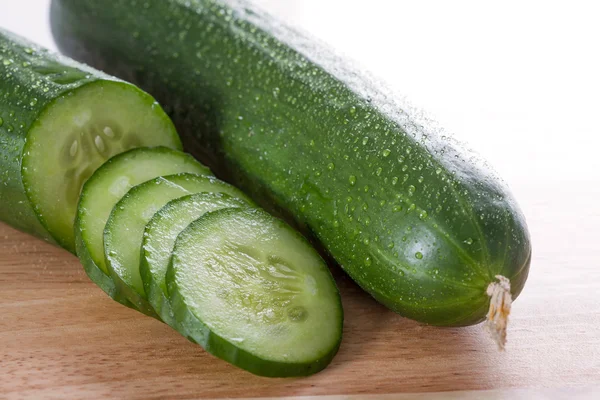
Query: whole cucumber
{"x":417,"y":221}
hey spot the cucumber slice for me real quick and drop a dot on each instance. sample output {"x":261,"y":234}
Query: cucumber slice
{"x":253,"y":292}
{"x":76,"y":134}
{"x":125,"y":227}
{"x":159,"y":238}
{"x":105,"y":188}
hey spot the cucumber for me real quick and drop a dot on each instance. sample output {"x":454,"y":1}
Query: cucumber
{"x":59,"y":121}
{"x":413,"y":217}
{"x":125,"y":227}
{"x":105,"y":188}
{"x":159,"y":239}
{"x":252,"y":292}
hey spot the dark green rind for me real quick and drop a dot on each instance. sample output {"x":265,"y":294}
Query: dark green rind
{"x":140,"y":300}
{"x":418,"y":221}
{"x":33,"y":79}
{"x":156,"y":289}
{"x":197,"y":332}
{"x":105,"y":282}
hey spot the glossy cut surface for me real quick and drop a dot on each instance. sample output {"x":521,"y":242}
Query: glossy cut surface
{"x":253,"y":292}
{"x":416,"y":220}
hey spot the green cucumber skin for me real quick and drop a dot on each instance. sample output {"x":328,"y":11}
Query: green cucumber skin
{"x":96,"y":275}
{"x":32,"y":78}
{"x":417,"y":221}
{"x":197,"y":332}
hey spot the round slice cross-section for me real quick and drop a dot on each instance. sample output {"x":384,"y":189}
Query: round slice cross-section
{"x":253,"y":292}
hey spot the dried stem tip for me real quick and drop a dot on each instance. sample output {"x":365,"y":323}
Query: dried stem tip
{"x":497,"y":316}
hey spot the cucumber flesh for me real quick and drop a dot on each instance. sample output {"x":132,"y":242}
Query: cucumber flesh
{"x":76,"y":134}
{"x":125,"y":227}
{"x":106,"y":187}
{"x":159,"y":238}
{"x":251,"y":291}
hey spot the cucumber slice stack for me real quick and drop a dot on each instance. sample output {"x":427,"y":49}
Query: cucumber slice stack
{"x":126,"y":223}
{"x":94,"y":165}
{"x":158,"y":233}
{"x":105,"y":188}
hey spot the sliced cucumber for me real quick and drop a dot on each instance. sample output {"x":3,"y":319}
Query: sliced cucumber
{"x":125,"y":227}
{"x":105,"y":188}
{"x":159,"y":238}
{"x":76,"y":134}
{"x":253,"y":292}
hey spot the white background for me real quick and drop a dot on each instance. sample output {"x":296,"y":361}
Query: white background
{"x":518,"y":80}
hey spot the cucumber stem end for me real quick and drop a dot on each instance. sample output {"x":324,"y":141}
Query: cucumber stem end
{"x":497,"y":316}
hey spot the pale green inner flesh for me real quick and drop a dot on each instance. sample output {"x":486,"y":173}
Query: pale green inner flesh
{"x":251,"y":280}
{"x":167,"y":224}
{"x":77,"y":134}
{"x":125,"y":227}
{"x":113,"y":180}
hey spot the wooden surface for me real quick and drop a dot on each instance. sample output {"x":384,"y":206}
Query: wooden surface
{"x":61,"y":337}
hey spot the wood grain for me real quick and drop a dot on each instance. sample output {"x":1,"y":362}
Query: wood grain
{"x":61,"y":337}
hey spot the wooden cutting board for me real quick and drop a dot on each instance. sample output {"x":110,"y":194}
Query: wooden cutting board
{"x":61,"y":337}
